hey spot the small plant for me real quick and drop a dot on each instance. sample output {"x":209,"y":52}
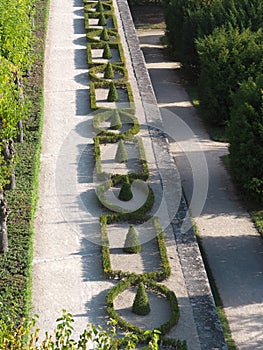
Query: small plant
{"x":121,"y":154}
{"x":125,"y":192}
{"x":109,"y":73}
{"x":102,"y":20}
{"x":141,"y":304}
{"x":107,"y":52}
{"x":104,"y":35}
{"x":113,"y":94}
{"x":132,"y":244}
{"x":116,"y":123}
{"x":99,"y":7}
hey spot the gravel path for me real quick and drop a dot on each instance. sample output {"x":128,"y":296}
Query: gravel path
{"x":232,"y":245}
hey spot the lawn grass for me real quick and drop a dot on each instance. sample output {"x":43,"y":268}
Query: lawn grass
{"x":15,"y":266}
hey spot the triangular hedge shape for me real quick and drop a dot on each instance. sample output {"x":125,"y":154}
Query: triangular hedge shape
{"x":113,"y":94}
{"x":102,"y":20}
{"x":141,"y":304}
{"x":107,"y":52}
{"x":104,"y":35}
{"x":116,"y":123}
{"x":121,"y":154}
{"x":109,"y":72}
{"x":125,"y":192}
{"x":132,"y":244}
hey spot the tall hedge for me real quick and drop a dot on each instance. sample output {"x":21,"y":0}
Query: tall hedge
{"x":227,"y":57}
{"x":187,"y":20}
{"x":246,"y":138}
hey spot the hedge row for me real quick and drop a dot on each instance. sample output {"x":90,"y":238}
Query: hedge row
{"x":222,"y":42}
{"x":15,"y":265}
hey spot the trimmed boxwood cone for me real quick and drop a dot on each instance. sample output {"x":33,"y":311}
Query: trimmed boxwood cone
{"x":132,"y":244}
{"x":109,"y":73}
{"x":107,"y":52}
{"x":112,"y":95}
{"x":116,"y":120}
{"x":121,"y":154}
{"x":141,"y":304}
{"x":99,"y":7}
{"x":102,"y":20}
{"x":104,"y":35}
{"x":125,"y":191}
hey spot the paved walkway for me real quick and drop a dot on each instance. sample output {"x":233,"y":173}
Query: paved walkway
{"x":233,"y":247}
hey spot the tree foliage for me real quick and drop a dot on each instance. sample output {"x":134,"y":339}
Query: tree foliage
{"x":187,"y":20}
{"x":227,"y":57}
{"x":246,"y":138}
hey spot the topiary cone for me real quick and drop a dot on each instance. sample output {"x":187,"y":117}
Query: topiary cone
{"x":107,"y":52}
{"x":104,"y":35}
{"x":102,"y":19}
{"x":99,"y":7}
{"x":132,"y":244}
{"x":116,"y":123}
{"x":125,"y":192}
{"x":109,"y":73}
{"x":121,"y":155}
{"x":112,"y":95}
{"x":141,"y":304}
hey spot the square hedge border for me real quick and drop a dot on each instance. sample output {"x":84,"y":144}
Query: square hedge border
{"x":106,"y":85}
{"x":157,"y":275}
{"x":100,"y":45}
{"x":108,"y":15}
{"x":144,"y":175}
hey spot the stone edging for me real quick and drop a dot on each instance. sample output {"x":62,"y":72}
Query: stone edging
{"x":208,"y":326}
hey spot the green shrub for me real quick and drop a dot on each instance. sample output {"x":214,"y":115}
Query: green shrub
{"x":121,"y":154}
{"x":115,"y":120}
{"x":141,"y":304}
{"x":104,"y":35}
{"x":109,"y":73}
{"x":125,"y":193}
{"x":102,"y":20}
{"x":113,"y":94}
{"x":246,"y":138}
{"x":132,"y":244}
{"x":99,"y":7}
{"x":188,"y":20}
{"x":227,"y":57}
{"x":107,"y":52}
